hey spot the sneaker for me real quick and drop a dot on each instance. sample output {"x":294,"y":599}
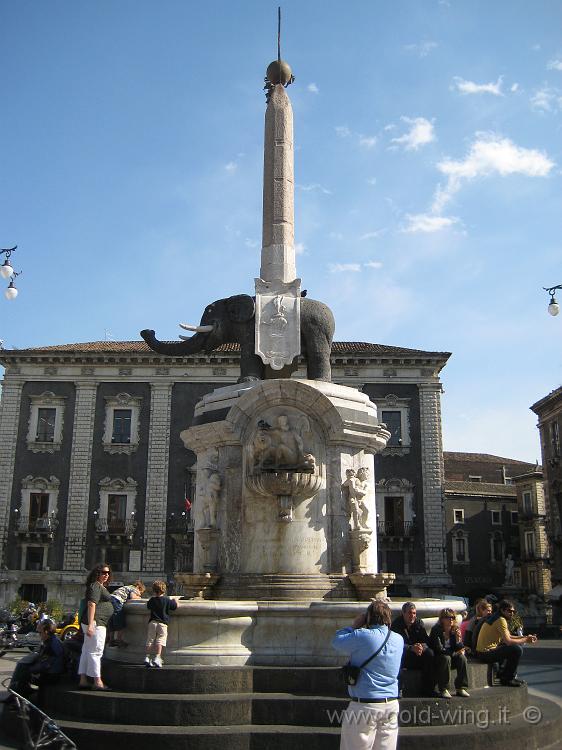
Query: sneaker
{"x":444,"y":693}
{"x":147,"y":661}
{"x":157,"y":662}
{"x":463,"y":693}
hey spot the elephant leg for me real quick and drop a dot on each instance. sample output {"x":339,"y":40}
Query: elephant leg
{"x":318,"y":365}
{"x":251,"y":366}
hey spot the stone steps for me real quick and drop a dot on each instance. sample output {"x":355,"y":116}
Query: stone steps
{"x":179,"y":709}
{"x":518,"y":734}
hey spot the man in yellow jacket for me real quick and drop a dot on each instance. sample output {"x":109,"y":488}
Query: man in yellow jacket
{"x":496,"y":644}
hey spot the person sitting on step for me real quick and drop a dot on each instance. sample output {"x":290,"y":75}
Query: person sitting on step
{"x":446,"y":643}
{"x":496,"y":644}
{"x":483,"y":611}
{"x":417,"y":653}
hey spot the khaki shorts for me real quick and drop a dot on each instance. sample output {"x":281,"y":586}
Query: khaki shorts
{"x":157,"y":634}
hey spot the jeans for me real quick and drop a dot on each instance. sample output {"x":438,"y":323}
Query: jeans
{"x":443,"y":665}
{"x":425,"y":664}
{"x":511,"y":654}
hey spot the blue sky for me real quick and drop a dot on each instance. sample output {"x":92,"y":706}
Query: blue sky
{"x":428,"y":158}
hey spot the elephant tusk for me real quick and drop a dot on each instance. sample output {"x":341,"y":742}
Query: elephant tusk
{"x":185,"y":338}
{"x":197,"y":329}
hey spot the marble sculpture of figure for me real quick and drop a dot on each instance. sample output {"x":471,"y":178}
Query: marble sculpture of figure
{"x":356,"y":490}
{"x":211,"y":500}
{"x":280,"y":447}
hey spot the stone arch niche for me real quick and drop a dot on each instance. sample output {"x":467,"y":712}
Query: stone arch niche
{"x":271,"y":520}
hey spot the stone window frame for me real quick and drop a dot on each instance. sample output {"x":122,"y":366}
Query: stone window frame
{"x":527,"y":503}
{"x":395,"y":487}
{"x":513,"y":513}
{"x":122,"y":401}
{"x":116,"y":486}
{"x":30,"y":485}
{"x":530,"y":549}
{"x":461,"y":511}
{"x":392,"y":402}
{"x":498,"y":522}
{"x":496,"y":536}
{"x":24,"y":550}
{"x":45,"y":400}
{"x":460,"y":534}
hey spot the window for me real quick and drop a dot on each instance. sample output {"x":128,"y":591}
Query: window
{"x":496,"y":517}
{"x":121,"y":426}
{"x":533,"y":580}
{"x":393,"y":422}
{"x":33,"y":592}
{"x":530,"y":549}
{"x":527,"y":503}
{"x":497,"y":548}
{"x":38,"y":509}
{"x":514,"y":518}
{"x":394,"y":412}
{"x":46,"y":419}
{"x":121,"y":431}
{"x":116,"y":512}
{"x":460,"y":547}
{"x":44,"y":431}
{"x":34,"y":558}
{"x":474,"y":478}
{"x":458,"y":515}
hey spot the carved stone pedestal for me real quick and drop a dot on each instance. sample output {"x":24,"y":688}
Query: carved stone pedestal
{"x":208,"y":539}
{"x":269,"y":516}
{"x":371,"y":586}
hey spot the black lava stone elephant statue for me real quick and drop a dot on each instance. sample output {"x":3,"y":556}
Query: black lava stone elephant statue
{"x":232,"y":320}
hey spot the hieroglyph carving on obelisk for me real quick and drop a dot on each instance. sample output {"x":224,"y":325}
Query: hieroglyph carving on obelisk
{"x":278,"y":289}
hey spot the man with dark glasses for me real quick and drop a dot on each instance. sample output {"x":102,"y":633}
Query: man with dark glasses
{"x":496,"y":644}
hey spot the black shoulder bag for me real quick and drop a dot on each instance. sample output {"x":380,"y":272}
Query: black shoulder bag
{"x":351,"y":674}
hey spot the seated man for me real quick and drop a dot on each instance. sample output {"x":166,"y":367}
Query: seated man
{"x":417,"y":654}
{"x":483,"y":611}
{"x":44,"y":666}
{"x":496,"y":644}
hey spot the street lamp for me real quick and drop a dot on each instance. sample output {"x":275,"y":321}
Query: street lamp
{"x":553,"y":306}
{"x":7,"y":272}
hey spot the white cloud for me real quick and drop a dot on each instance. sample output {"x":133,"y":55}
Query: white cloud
{"x":554,"y":65}
{"x":343,"y":267}
{"x":313,"y":88}
{"x":372,"y":181}
{"x":231,"y":167}
{"x":371,"y":235}
{"x":536,"y":47}
{"x":314,"y":186}
{"x":373,"y":264}
{"x":251,"y":243}
{"x":342,"y":131}
{"x":335,"y":236}
{"x":547,"y":99}
{"x":514,"y":87}
{"x":428,"y":223}
{"x":300,"y":247}
{"x":420,"y":133}
{"x":422,"y":49}
{"x":367,"y":141}
{"x":489,"y":154}
{"x":469,"y":87}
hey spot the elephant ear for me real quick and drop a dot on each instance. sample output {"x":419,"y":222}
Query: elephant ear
{"x":241,"y":308}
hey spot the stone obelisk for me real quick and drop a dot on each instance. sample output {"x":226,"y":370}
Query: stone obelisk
{"x":278,"y":288}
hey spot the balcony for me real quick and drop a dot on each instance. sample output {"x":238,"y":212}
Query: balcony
{"x":406,"y":529}
{"x":530,"y":515}
{"x":179,"y":524}
{"x":123,"y":528}
{"x":41,"y":529}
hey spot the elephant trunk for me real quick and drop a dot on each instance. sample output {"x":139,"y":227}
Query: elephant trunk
{"x":192,"y":345}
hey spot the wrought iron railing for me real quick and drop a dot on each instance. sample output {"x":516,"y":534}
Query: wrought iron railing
{"x":396,"y":528}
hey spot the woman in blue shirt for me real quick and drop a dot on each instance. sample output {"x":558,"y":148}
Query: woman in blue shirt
{"x":371,"y":719}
